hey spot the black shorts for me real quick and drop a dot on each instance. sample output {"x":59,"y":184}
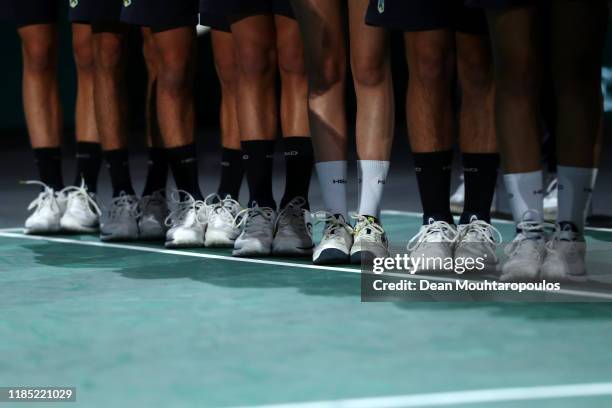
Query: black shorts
{"x":223,"y":13}
{"x":425,"y":15}
{"x":28,"y":12}
{"x":161,"y":15}
{"x":97,"y":12}
{"x":500,"y":4}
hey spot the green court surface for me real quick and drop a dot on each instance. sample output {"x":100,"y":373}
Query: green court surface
{"x":134,"y":325}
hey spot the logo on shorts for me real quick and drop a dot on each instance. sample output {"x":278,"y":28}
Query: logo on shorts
{"x":127,"y":3}
{"x":381,"y":6}
{"x":74,"y":3}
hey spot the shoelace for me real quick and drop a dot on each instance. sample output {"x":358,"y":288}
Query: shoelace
{"x":527,"y":227}
{"x":332,"y":223}
{"x":447,"y":234}
{"x":46,"y":197}
{"x":244,"y":218}
{"x":183,"y":207}
{"x":364,"y":224}
{"x":154,"y":200}
{"x":558,"y":236}
{"x":293,"y":214}
{"x":80,"y":195}
{"x":123,"y":204}
{"x":226,"y":208}
{"x":485,"y":232}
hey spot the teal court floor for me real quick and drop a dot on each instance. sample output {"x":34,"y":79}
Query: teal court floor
{"x":135,"y":325}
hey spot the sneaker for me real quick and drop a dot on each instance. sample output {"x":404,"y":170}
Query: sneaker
{"x":457,"y":199}
{"x":335,"y":246}
{"x":222,"y":230}
{"x":257,"y":232}
{"x":551,"y":201}
{"x":293,"y":230}
{"x":565,"y":255}
{"x":82,"y":213}
{"x":48,"y":208}
{"x":122,"y":221}
{"x":369,"y":240}
{"x":525,"y":253}
{"x":153,"y":214}
{"x":187,"y":222}
{"x":433,"y":245}
{"x":478,"y":240}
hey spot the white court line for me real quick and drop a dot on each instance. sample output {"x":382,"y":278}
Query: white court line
{"x":568,"y":292}
{"x":461,"y":397}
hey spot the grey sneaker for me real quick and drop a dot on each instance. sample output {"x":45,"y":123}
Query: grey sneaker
{"x":122,"y":221}
{"x":293,"y":230}
{"x":187,"y":222}
{"x":433,"y":246}
{"x":369,"y":242}
{"x":526,"y":252}
{"x":479,"y":240}
{"x":153,"y":214}
{"x":257,"y":225}
{"x":565,"y":255}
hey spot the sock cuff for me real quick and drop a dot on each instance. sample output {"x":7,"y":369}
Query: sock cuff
{"x":90,"y":146}
{"x":341,"y":165}
{"x":53,"y":152}
{"x":301,"y":144}
{"x":580,"y":171}
{"x":182,"y":152}
{"x":434,"y":159}
{"x":487,"y":160}
{"x":258,"y":147}
{"x":228,"y":154}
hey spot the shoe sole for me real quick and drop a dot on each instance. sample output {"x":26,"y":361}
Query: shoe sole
{"x":216,"y":239}
{"x":77,"y":228}
{"x":176,"y":245}
{"x":110,"y":238}
{"x":332,"y":256}
{"x":359,"y":257}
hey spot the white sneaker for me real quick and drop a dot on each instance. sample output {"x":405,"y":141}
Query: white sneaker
{"x":222,"y":230}
{"x":457,"y":199}
{"x":48,"y":208}
{"x":551,"y":202}
{"x":187,"y":222}
{"x":433,"y":245}
{"x":478,"y":240}
{"x":153,"y":214}
{"x":335,"y":246}
{"x":565,"y":255}
{"x":293,"y":230}
{"x":369,"y":241}
{"x":257,"y":232}
{"x":525,"y":253}
{"x":122,"y":221}
{"x":82,"y":213}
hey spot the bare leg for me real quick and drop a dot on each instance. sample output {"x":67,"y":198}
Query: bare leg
{"x":82,"y":44}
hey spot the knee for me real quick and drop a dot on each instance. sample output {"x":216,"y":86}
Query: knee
{"x":326,"y":72}
{"x":174,"y":71}
{"x":256,"y":62}
{"x":369,"y":71}
{"x":291,"y":62}
{"x":431,"y":67}
{"x":83,"y":54}
{"x":475,"y":76}
{"x":108,"y":51}
{"x":40,"y":55}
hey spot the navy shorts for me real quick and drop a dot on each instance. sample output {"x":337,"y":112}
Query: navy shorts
{"x":28,"y":12}
{"x":95,"y":11}
{"x":425,"y":15}
{"x":500,"y":4}
{"x":220,"y":14}
{"x":160,"y":15}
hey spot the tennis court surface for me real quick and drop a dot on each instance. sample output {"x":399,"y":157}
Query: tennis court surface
{"x":138,"y":325}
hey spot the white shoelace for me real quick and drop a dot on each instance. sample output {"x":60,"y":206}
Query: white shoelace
{"x":82,"y":197}
{"x":364,"y":224}
{"x":247,"y":217}
{"x":292,"y":215}
{"x":227,"y":208}
{"x":442,"y":229}
{"x":48,"y":197}
{"x":528,"y":231}
{"x":183,"y":207}
{"x":123,"y":204}
{"x":484,"y":231}
{"x":561,"y":233}
{"x":332,"y":224}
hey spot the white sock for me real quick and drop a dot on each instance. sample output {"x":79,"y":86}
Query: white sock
{"x":526,"y":193}
{"x":372,"y":179}
{"x":575,"y":192}
{"x":332,"y":179}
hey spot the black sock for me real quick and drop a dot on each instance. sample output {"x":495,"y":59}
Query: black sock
{"x":89,"y":160}
{"x":299,"y":161}
{"x":184,"y":164}
{"x":49,"y":163}
{"x":480,"y":173}
{"x":157,"y":173}
{"x":118,"y":162}
{"x":258,"y":159}
{"x":232,"y":171}
{"x":433,"y":172}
